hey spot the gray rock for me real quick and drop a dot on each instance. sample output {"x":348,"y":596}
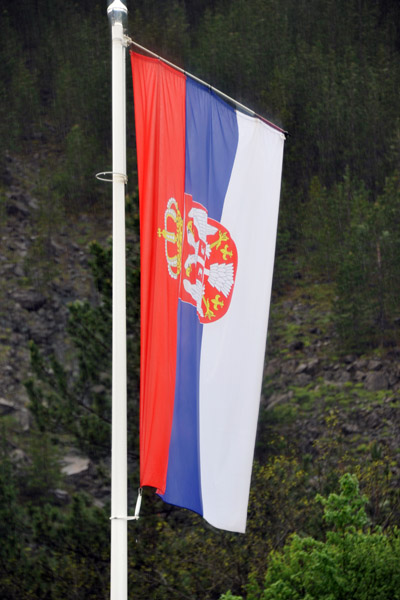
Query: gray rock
{"x":19,"y":271}
{"x":6,"y":407}
{"x":18,"y":456}
{"x":376,"y":380}
{"x":29,"y":299}
{"x":17,"y":209}
{"x":74,"y":464}
{"x":359,"y":364}
{"x":374,"y":365}
{"x":289,"y":367}
{"x":312,"y":366}
{"x":6,"y":177}
{"x":24,"y":418}
{"x":359,"y":376}
{"x":349,"y":428}
{"x":342,"y":376}
{"x":349,"y":358}
{"x":40,"y":332}
{"x":373,"y":420}
{"x":273,"y":366}
{"x":302,"y":379}
{"x":61,"y":496}
{"x":297,"y":345}
{"x":98,"y":389}
{"x":33,"y":203}
{"x":277,"y":398}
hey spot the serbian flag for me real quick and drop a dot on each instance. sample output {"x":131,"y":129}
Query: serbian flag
{"x":209,"y":185}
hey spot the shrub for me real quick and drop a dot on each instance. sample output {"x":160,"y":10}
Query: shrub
{"x":353,"y":561}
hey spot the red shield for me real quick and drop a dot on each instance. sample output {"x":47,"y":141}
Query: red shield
{"x":209,"y":263}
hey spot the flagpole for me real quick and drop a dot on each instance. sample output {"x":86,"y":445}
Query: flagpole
{"x":117,"y":12}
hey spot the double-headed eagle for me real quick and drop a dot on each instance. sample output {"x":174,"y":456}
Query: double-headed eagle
{"x":220,"y":275}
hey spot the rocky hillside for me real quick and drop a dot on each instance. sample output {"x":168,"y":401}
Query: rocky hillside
{"x":337,"y":409}
{"x":43,"y":267}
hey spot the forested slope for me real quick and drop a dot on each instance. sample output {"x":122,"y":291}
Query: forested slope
{"x":329,"y":73}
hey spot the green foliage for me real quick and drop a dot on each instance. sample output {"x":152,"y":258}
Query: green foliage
{"x":284,"y":266}
{"x":368,"y":279}
{"x":12,"y":534}
{"x":174,"y":553}
{"x":326,"y":223}
{"x":352,"y":240}
{"x":79,"y":404}
{"x":345,"y":511}
{"x":19,"y":96}
{"x":288,"y":335}
{"x":47,"y":551}
{"x":80,"y":407}
{"x":74,"y":557}
{"x":74,"y":178}
{"x":326,"y":427}
{"x":351,"y":563}
{"x":39,"y":265}
{"x":42,"y":475}
{"x":322,"y":69}
{"x":42,"y":94}
{"x":163,"y":28}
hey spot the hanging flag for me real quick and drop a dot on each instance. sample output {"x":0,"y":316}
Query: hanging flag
{"x":209,"y":185}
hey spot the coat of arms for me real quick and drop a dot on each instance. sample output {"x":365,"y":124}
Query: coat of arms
{"x":205,"y":259}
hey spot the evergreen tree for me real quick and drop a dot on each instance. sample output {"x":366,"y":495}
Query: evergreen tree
{"x":351,"y":563}
{"x":80,"y":403}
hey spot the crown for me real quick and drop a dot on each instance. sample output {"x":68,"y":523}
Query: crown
{"x":172,"y":237}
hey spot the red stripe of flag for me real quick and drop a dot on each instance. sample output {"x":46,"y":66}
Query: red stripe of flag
{"x":160,"y":127}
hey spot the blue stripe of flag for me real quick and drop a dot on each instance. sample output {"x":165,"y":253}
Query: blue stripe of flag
{"x":211,"y":143}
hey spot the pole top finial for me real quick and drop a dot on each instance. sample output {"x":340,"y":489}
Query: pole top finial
{"x":117,"y":7}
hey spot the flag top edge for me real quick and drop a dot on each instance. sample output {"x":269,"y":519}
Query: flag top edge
{"x":270,"y":126}
{"x":161,"y":62}
{"x":238,"y":106}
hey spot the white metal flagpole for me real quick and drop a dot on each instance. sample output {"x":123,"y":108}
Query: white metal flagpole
{"x":117,"y":13}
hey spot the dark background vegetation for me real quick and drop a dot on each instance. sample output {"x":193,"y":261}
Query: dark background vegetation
{"x":329,"y":73}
